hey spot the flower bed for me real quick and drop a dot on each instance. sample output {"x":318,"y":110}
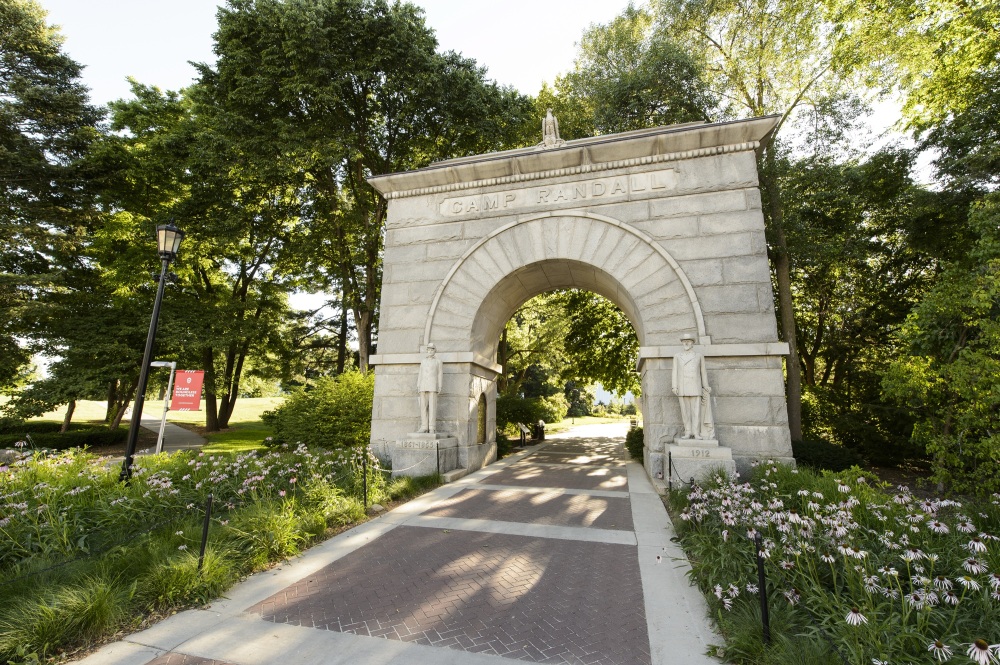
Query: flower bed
{"x":856,"y":572}
{"x":83,"y":555}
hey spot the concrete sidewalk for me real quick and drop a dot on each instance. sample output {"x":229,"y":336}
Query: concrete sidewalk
{"x":558,"y":554}
{"x":175,"y":437}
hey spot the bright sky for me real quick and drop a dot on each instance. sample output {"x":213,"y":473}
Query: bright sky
{"x":522,"y":42}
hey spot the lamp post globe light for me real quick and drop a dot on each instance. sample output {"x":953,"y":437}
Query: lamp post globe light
{"x":168,"y":239}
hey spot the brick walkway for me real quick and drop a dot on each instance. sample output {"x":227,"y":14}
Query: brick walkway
{"x":550,"y":556}
{"x":528,"y":598}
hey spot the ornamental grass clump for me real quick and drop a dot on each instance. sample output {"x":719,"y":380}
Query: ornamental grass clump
{"x":855,"y":570}
{"x":83,"y":556}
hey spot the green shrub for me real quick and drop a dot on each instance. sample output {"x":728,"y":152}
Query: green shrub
{"x":825,"y":455}
{"x":65,"y":614}
{"x":176,"y":581}
{"x":634,"y":444}
{"x":335,"y":413}
{"x":513,"y":409}
{"x":504,"y":445}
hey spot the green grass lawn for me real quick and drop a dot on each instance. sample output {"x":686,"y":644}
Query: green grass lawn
{"x":568,"y":423}
{"x":245,"y":431}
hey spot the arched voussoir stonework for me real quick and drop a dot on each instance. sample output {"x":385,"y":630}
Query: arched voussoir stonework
{"x":568,"y":249}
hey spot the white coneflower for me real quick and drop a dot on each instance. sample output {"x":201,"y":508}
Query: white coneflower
{"x":827,"y":558}
{"x":974,"y":566}
{"x":915,"y":600}
{"x":950,"y":597}
{"x":966,"y":527}
{"x":938,"y":527}
{"x":976,"y":545}
{"x":982,"y":652}
{"x":844,"y":488}
{"x":752,"y":588}
{"x":718,"y":591}
{"x":803,"y":492}
{"x":932,"y":598}
{"x":942,"y":582}
{"x":912,"y":554}
{"x":968,"y":582}
{"x":793,"y":596}
{"x":786,"y":565}
{"x":856,"y":552}
{"x":855,"y":617}
{"x":902,"y":499}
{"x":871,"y":584}
{"x":940,"y":650}
{"x":915,"y":517}
{"x":995,"y":581}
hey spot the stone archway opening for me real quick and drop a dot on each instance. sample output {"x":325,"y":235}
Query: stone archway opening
{"x":556,"y":351}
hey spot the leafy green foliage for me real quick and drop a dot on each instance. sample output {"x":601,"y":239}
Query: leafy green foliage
{"x":950,"y":372}
{"x":601,"y":343}
{"x":634,"y":444}
{"x":334,"y":413}
{"x":629,"y":76}
{"x":512,"y":409}
{"x":46,"y":127}
{"x":859,"y":263}
{"x":825,"y":455}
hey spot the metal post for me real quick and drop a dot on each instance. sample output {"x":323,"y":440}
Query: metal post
{"x":204,"y":531}
{"x":364,"y":466}
{"x":140,"y":391}
{"x":670,"y":471}
{"x":166,"y":402}
{"x":762,"y":583}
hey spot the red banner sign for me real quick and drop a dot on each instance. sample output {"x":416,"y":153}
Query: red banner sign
{"x":187,"y":390}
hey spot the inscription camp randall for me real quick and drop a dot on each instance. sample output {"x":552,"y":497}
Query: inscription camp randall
{"x":603,"y":189}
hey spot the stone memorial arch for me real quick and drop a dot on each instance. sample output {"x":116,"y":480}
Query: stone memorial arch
{"x":666,"y":223}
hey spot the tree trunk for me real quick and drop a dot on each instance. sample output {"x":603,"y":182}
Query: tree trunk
{"x":70,"y":408}
{"x":342,"y":339}
{"x":363,"y":320}
{"x":778,"y":247}
{"x":211,"y":404}
{"x":109,"y":414}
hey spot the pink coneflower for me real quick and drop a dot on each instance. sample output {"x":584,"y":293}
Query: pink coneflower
{"x":983,"y":653}
{"x":940,"y":650}
{"x":855,"y":617}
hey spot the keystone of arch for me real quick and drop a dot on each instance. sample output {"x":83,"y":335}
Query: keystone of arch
{"x":480,"y":270}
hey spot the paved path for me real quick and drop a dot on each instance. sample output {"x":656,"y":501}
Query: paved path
{"x":175,"y":437}
{"x":559,"y":554}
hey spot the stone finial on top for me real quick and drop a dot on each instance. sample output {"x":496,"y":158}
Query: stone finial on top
{"x":550,"y":132}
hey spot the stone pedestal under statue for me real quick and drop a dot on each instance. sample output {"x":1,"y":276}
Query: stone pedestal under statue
{"x":693,"y":458}
{"x":424,"y":454}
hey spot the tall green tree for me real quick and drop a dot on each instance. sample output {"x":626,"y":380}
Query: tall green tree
{"x":768,"y":58}
{"x":318,"y":95}
{"x":949,"y":373}
{"x":858,"y":231}
{"x":628,"y":75}
{"x":46,"y":127}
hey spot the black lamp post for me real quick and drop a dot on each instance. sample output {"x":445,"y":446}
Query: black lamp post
{"x":168,"y":239}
